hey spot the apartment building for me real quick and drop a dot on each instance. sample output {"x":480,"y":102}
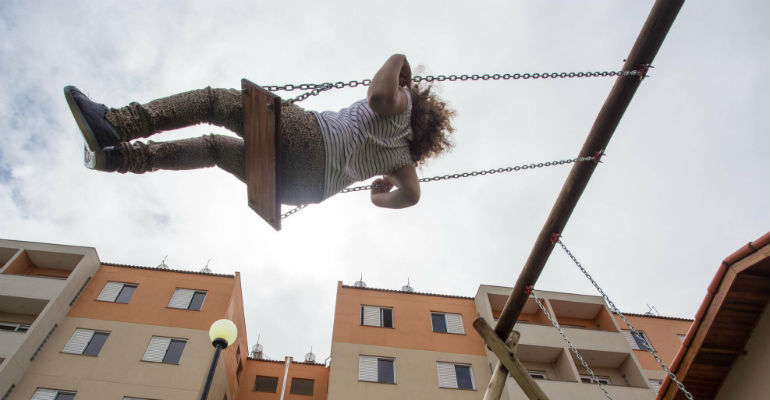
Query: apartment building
{"x":74,"y":327}
{"x":39,"y":283}
{"x":391,"y":344}
{"x":618,"y":359}
{"x":287,"y":379}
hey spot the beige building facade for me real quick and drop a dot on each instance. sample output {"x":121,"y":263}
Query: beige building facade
{"x":389,"y":344}
{"x":39,"y":283}
{"x":74,"y":327}
{"x":589,"y":325}
{"x":100,"y":331}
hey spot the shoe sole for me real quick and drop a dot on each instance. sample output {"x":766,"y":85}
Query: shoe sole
{"x":93,"y":158}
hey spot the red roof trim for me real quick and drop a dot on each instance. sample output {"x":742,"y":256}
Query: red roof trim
{"x":738,"y":255}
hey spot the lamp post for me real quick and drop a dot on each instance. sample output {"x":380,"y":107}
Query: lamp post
{"x":222,"y":334}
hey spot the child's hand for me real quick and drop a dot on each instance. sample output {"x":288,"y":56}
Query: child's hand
{"x":381,"y":185}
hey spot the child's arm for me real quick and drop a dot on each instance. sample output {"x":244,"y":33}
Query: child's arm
{"x":384,"y":95}
{"x":407,"y":191}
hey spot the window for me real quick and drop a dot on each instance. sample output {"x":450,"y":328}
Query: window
{"x":447,"y":323}
{"x":50,"y":394}
{"x":538,"y":374}
{"x":117,"y":292}
{"x":301,"y":386}
{"x":268,"y":384}
{"x":681,"y":337}
{"x":635,"y":342}
{"x":164,"y":350}
{"x":377,"y":316}
{"x":655,"y":384}
{"x":455,"y":376}
{"x":376,"y":369}
{"x":604,"y":380}
{"x":187,"y":299}
{"x":13,"y":327}
{"x":86,"y":342}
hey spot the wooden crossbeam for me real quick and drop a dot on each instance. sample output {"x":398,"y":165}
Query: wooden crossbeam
{"x":645,"y":48}
{"x":500,"y":374}
{"x":261,"y":135}
{"x":508,"y":359}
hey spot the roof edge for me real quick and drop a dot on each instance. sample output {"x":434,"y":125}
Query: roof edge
{"x":403,"y":292}
{"x":167,"y":270}
{"x":741,"y":253}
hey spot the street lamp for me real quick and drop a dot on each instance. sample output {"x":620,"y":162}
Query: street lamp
{"x":222,"y":334}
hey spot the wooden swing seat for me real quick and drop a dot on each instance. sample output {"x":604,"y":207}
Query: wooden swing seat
{"x":261,"y":135}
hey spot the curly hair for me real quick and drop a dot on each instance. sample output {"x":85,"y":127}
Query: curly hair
{"x":430,"y":122}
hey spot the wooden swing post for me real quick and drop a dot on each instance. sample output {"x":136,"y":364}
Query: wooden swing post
{"x":261,"y":135}
{"x":645,"y":48}
{"x":643,"y":52}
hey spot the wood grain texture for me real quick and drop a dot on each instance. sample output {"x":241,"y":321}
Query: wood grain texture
{"x":261,"y":133}
{"x":507,"y":357}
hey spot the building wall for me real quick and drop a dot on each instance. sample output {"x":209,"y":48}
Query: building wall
{"x":590,"y":327}
{"x":411,"y":342}
{"x":319,"y":373}
{"x":748,"y":378}
{"x":662,"y":334}
{"x":149,"y":304}
{"x":412,"y":327}
{"x":118,"y":370}
{"x":416,"y":374}
{"x":39,"y":282}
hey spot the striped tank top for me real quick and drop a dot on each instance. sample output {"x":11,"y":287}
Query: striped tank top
{"x":360,"y":144}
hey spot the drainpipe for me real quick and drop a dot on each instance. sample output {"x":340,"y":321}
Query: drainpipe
{"x":285,"y":375}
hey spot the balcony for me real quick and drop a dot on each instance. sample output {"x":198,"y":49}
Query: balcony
{"x":38,"y":263}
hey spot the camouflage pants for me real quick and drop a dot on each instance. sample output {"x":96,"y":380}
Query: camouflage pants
{"x":301,"y":168}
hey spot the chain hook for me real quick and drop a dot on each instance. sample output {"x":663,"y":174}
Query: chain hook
{"x":555,"y":237}
{"x":598,"y":156}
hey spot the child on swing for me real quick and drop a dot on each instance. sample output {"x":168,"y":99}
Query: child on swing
{"x":398,"y":126}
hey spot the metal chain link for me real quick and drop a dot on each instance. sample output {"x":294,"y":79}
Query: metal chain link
{"x":463,"y":175}
{"x":315,"y":88}
{"x":571,"y":346}
{"x":636,"y":333}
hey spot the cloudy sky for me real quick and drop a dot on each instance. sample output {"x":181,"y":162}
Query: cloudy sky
{"x":685,"y":181}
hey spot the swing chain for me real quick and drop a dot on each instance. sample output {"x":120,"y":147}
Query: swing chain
{"x":485,"y":172}
{"x":462,"y":175}
{"x":572,"y":347}
{"x":636,"y":333}
{"x":316,"y":88}
{"x":293,"y":211}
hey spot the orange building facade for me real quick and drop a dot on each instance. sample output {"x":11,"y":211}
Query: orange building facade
{"x":74,"y":327}
{"x":390,"y":344}
{"x":77,"y":328}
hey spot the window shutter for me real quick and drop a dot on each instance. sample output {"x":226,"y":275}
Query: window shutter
{"x":371,"y":316}
{"x":110,"y":291}
{"x":156,"y":350}
{"x":181,"y":298}
{"x":630,"y":339}
{"x":367,"y":368}
{"x":454,"y":323}
{"x":447,"y":377}
{"x":78,"y":341}
{"x":44,"y":394}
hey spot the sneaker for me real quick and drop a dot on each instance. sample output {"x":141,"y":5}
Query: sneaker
{"x":97,"y":131}
{"x":110,"y":159}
